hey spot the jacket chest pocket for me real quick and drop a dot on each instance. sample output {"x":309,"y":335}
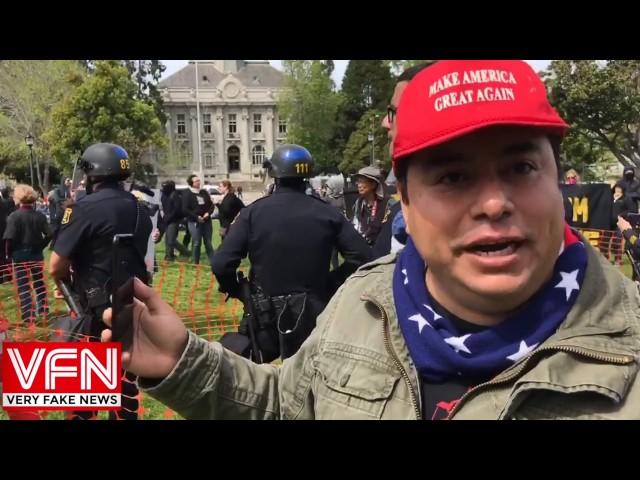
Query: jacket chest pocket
{"x":351,"y":388}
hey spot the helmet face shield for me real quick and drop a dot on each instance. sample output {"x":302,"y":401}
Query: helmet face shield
{"x":83,"y":165}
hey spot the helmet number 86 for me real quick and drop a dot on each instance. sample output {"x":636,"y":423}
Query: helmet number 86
{"x":124,"y":164}
{"x":302,"y":168}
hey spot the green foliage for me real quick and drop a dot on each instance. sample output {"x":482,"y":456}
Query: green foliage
{"x":367,"y":85}
{"x":29,"y":92}
{"x":357,"y":153}
{"x":601,"y":102}
{"x":106,"y":108}
{"x":310,"y":104}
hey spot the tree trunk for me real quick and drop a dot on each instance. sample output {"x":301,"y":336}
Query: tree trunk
{"x":45,"y":180}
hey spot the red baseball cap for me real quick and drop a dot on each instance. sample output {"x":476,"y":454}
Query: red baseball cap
{"x":453,"y":98}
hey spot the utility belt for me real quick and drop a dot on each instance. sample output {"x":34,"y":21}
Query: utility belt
{"x":277,"y":324}
{"x":285,"y":312}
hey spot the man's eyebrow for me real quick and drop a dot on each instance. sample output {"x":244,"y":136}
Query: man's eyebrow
{"x":521,"y":147}
{"x":443,"y":159}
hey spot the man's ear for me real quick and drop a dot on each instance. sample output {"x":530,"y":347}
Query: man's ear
{"x":404,"y":204}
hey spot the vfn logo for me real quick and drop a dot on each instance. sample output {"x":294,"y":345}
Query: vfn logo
{"x":61,"y":376}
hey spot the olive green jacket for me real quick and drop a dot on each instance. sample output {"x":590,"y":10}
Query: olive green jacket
{"x":355,"y":364}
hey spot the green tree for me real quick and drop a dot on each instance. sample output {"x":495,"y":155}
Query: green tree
{"x":601,"y":102}
{"x":358,"y":151}
{"x":399,"y":66}
{"x":310,"y":103}
{"x":367,"y":85}
{"x":147,"y":74}
{"x":29,"y":92}
{"x":105,"y":108}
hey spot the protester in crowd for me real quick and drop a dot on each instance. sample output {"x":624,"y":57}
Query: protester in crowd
{"x":228,"y":208}
{"x":25,"y":237}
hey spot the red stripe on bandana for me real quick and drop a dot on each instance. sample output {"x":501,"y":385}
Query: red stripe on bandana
{"x":569,"y":237}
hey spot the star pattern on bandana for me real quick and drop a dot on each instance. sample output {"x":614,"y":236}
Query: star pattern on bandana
{"x":522,"y":352}
{"x":569,"y":282}
{"x":458,"y":343}
{"x":435,"y":315}
{"x":420,"y":320}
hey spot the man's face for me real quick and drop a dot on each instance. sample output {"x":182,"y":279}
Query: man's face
{"x":365,"y":185}
{"x":390,"y":125}
{"x":67,"y":182}
{"x":486,"y":214}
{"x":196,"y":182}
{"x":571,"y":177}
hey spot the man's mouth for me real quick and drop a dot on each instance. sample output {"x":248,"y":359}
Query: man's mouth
{"x":499,"y":248}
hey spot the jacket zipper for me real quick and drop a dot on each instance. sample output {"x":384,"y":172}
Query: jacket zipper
{"x":602,"y":357}
{"x":396,"y":360}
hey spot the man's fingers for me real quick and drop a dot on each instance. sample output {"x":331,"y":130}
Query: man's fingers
{"x":149,"y":297}
{"x":107,"y":315}
{"x":106,"y":335}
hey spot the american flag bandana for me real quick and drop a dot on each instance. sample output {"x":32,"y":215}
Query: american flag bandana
{"x":438,"y":349}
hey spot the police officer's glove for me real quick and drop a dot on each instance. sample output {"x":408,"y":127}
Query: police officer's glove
{"x":232,"y":291}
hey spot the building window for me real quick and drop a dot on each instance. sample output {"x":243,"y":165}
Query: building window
{"x":282,"y":127}
{"x":258,"y":155}
{"x":232,"y":123}
{"x":206,"y":122}
{"x":257,"y":123}
{"x":233,"y":154}
{"x":182,"y":126}
{"x":183,"y":155}
{"x":208,"y":159}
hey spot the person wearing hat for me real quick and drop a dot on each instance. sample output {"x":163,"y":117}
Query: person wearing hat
{"x":372,"y":206}
{"x":495,"y":308}
{"x":631,"y":185}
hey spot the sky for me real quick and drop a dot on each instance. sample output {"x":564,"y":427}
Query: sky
{"x":340,"y":66}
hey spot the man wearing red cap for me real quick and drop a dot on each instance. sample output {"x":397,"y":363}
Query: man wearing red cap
{"x":495,"y":309}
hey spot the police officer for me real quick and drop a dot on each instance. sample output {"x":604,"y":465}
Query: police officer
{"x":85,"y":243}
{"x":289,"y":237}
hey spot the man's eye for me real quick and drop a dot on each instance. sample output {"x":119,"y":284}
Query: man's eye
{"x":451,"y":178}
{"x":523,"y":168}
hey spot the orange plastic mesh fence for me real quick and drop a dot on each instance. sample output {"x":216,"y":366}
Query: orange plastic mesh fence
{"x":30,"y":306}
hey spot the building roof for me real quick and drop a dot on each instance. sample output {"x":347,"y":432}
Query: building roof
{"x":211,"y":72}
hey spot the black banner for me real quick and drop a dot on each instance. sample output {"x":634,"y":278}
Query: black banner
{"x":588,"y":206}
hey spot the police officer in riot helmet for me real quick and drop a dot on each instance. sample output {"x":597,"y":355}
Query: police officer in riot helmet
{"x":83,"y":251}
{"x":289,"y":238}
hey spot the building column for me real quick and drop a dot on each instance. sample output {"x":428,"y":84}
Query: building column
{"x":245,"y":142}
{"x":221,"y":153}
{"x":193,"y":137}
{"x":269,"y":132}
